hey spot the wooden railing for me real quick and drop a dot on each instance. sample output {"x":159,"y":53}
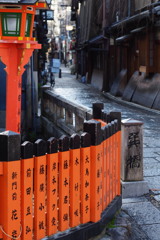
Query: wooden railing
{"x":56,"y":185}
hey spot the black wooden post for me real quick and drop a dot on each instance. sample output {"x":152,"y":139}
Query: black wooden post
{"x":10,"y":182}
{"x":97,"y":110}
{"x":9,"y":146}
{"x":116,"y":115}
{"x":40,"y":148}
{"x":26,"y":150}
{"x":63,"y":143}
{"x":85,"y":140}
{"x":93,"y":127}
{"x":75,"y":141}
{"x":52,"y":145}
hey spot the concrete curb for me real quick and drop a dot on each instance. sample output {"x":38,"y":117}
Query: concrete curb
{"x":134,"y":189}
{"x":119,"y":100}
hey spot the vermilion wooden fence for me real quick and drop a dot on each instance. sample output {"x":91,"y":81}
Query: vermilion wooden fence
{"x":52,"y":186}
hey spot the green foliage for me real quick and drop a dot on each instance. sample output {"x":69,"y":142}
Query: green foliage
{"x":111,"y":224}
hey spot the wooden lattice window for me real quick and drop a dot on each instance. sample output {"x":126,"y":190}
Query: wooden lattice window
{"x":11,"y":23}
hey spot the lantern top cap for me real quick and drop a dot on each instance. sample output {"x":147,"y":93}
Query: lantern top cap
{"x":26,"y":2}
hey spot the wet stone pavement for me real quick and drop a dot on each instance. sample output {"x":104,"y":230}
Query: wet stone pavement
{"x":140,"y":217}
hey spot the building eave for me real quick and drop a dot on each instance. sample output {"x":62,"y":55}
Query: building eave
{"x":128,"y":20}
{"x":98,"y":39}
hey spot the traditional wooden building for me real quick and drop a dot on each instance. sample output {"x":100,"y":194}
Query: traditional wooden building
{"x":118,"y":45}
{"x":134,"y":71}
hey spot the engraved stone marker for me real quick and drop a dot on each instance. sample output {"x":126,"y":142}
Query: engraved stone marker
{"x":132,"y":150}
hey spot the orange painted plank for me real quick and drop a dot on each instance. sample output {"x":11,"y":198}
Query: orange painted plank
{"x":111,"y":167}
{"x":104,"y":174}
{"x":39,"y":195}
{"x":108,"y":172}
{"x":64,"y":158}
{"x":74,"y":187}
{"x":119,"y":163}
{"x":10,"y":217}
{"x":85,"y":155}
{"x":85,"y":184}
{"x":27,"y":198}
{"x":116,"y":157}
{"x":110,"y":158}
{"x":96,"y":183}
{"x":52,"y":193}
{"x":1,"y":168}
{"x":1,"y":234}
{"x":113,"y":160}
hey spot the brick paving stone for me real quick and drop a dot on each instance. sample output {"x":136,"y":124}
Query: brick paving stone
{"x":153,"y":182}
{"x":143,"y":212}
{"x":151,"y":169}
{"x":153,"y":231}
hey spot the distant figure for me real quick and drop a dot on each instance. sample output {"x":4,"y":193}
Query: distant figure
{"x":60,"y":73}
{"x":52,"y":80}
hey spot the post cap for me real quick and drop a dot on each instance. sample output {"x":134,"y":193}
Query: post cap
{"x":52,"y":145}
{"x":63,"y":143}
{"x":26,"y":150}
{"x":97,"y":110}
{"x":131,"y":122}
{"x":40,"y":148}
{"x":75,"y":141}
{"x":85,"y":140}
{"x":93,"y":127}
{"x":9,"y":146}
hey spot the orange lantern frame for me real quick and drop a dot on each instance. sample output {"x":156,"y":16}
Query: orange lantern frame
{"x":15,"y":52}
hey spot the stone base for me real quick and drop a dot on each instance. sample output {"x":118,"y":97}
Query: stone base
{"x":91,"y":229}
{"x":49,"y":129}
{"x":134,"y":189}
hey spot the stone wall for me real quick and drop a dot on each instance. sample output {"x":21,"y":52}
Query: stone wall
{"x":60,"y":116}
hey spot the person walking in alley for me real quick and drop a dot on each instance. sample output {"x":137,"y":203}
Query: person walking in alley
{"x":52,"y":80}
